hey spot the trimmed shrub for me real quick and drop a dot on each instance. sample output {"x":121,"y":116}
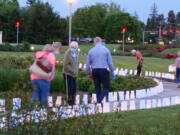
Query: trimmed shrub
{"x":14,"y":79}
{"x":169,"y":55}
{"x":25,"y":47}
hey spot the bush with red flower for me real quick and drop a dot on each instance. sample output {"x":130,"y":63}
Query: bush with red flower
{"x":169,"y":55}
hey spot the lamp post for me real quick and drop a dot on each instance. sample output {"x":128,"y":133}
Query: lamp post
{"x":123,"y":31}
{"x":70,"y":18}
{"x":17,"y":36}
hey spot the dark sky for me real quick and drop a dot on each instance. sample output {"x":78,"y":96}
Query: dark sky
{"x":142,"y":7}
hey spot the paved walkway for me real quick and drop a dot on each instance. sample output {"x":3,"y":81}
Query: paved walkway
{"x":170,"y":90}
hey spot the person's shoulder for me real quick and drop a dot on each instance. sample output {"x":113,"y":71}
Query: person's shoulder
{"x":138,"y":52}
{"x":67,"y":51}
{"x":91,"y":50}
{"x":39,"y":54}
{"x":51,"y":54}
{"x":106,"y":49}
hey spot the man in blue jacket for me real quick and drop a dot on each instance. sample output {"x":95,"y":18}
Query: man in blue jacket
{"x":98,"y":61}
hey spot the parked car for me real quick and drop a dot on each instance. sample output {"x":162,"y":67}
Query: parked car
{"x":65,"y":42}
{"x":87,"y":40}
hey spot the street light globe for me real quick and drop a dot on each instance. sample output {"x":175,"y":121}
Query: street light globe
{"x":70,"y":1}
{"x":32,"y":48}
{"x":79,"y":49}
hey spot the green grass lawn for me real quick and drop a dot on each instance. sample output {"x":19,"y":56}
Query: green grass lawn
{"x":160,"y":118}
{"x":150,"y":63}
{"x":159,"y":121}
{"x":83,"y":47}
{"x":149,"y":117}
{"x":173,"y":51}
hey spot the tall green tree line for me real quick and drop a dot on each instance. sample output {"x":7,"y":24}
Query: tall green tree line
{"x":39,"y":23}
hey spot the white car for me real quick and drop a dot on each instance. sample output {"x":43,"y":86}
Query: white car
{"x":88,"y":40}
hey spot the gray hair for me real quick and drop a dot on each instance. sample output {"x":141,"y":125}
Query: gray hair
{"x":74,"y":44}
{"x":48,"y":48}
{"x":57,"y":45}
{"x":97,"y":40}
{"x":133,"y":51}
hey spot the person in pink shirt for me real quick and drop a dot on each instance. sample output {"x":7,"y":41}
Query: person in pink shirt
{"x":139,"y":61}
{"x":41,"y":86}
{"x":178,"y":69}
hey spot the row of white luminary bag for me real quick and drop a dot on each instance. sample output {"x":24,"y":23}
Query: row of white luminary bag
{"x":112,"y":97}
{"x":160,"y":75}
{"x":77,"y":110}
{"x":125,"y":72}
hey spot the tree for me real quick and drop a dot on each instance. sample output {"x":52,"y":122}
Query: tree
{"x":114,"y":7}
{"x":152,"y":22}
{"x":171,"y":20}
{"x":162,"y":21}
{"x":178,"y":18}
{"x":114,"y":22}
{"x":31,"y":2}
{"x":42,"y":25}
{"x":171,"y":24}
{"x":88,"y":21}
{"x":9,"y":13}
{"x":136,"y":15}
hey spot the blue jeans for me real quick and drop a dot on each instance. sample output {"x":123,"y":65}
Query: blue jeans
{"x":41,"y":90}
{"x":177,"y":75}
{"x":101,"y":77}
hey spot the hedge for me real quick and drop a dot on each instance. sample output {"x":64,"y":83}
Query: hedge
{"x":25,"y":47}
{"x":14,"y":79}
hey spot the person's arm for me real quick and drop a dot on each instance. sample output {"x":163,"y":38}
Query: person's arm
{"x":88,"y":63}
{"x":110,"y":63}
{"x":53,"y":73}
{"x":52,"y":60}
{"x":176,"y":63}
{"x":137,"y":59}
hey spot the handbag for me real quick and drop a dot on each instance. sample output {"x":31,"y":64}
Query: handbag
{"x":41,"y":67}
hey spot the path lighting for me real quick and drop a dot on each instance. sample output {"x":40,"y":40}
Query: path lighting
{"x":114,"y":50}
{"x":123,"y":30}
{"x":17,"y":35}
{"x":79,"y":49}
{"x":70,"y":2}
{"x":32,"y":48}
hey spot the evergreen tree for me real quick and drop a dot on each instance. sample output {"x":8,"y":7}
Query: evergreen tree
{"x":9,"y":14}
{"x":171,"y":20}
{"x":31,"y":2}
{"x":171,"y":25}
{"x":136,"y":15}
{"x":152,"y":22}
{"x":178,"y":18}
{"x":42,"y":25}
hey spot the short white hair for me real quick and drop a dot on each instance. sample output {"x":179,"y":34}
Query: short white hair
{"x":57,"y":45}
{"x":97,"y":40}
{"x":74,"y":44}
{"x":133,"y":51}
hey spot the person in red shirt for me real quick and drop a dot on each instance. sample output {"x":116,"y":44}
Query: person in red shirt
{"x":139,"y":60}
